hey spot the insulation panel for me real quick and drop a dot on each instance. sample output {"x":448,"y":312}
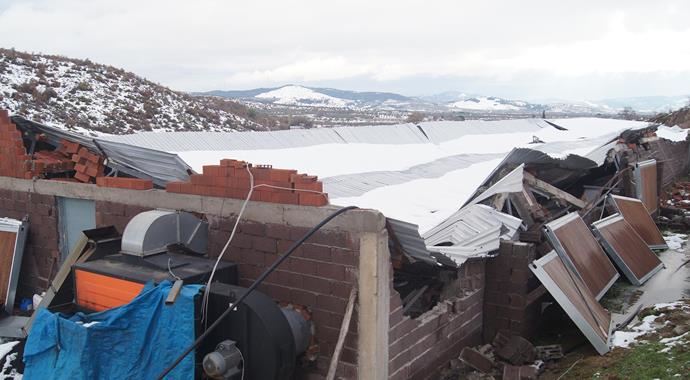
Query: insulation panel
{"x":577,"y":246}
{"x":646,"y":184}
{"x":12,"y":239}
{"x":627,"y":249}
{"x":637,"y":215}
{"x":576,"y":300}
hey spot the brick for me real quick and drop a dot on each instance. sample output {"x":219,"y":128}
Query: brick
{"x":281,"y":175}
{"x":213,"y":170}
{"x":173,"y":187}
{"x":332,"y":271}
{"x":310,"y":199}
{"x":316,"y":252}
{"x":201,"y":179}
{"x":285,"y":198}
{"x":476,"y":360}
{"x":81,"y":177}
{"x":311,"y":186}
{"x":232,"y":163}
{"x":278,"y":231}
{"x":305,"y":298}
{"x":317,"y":284}
{"x":298,"y":265}
{"x":264,"y":244}
{"x":330,"y":303}
{"x":252,"y":228}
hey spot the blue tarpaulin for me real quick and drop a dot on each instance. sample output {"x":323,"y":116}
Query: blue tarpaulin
{"x":134,"y":341}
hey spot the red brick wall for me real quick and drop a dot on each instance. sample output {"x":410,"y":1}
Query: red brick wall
{"x":318,"y":275}
{"x":41,"y":255}
{"x":509,"y":286}
{"x":419,"y":348}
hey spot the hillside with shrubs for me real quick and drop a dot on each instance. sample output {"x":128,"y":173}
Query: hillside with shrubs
{"x":84,"y":96}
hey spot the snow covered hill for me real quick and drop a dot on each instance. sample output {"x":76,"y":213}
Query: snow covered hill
{"x":85,"y":96}
{"x":317,"y":97}
{"x":301,"y":96}
{"x":487,"y":104}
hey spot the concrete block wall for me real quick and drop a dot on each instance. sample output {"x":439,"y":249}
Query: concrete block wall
{"x":319,"y":274}
{"x":41,"y":255}
{"x":420,"y":348}
{"x":508,"y":303}
{"x":672,"y":159}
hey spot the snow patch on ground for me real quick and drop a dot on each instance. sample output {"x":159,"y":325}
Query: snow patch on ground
{"x":5,"y":348}
{"x":8,"y":372}
{"x":676,"y":241}
{"x":625,"y":338}
{"x":673,"y":341}
{"x":670,"y":305}
{"x":675,"y":133}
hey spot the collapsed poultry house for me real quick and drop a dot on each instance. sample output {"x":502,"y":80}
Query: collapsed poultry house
{"x":584,"y":221}
{"x":412,"y":288}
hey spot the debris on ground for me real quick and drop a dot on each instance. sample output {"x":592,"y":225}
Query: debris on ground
{"x":655,"y":347}
{"x":508,"y":357}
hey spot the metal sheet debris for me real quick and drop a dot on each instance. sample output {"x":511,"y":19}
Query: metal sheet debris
{"x":473,"y":231}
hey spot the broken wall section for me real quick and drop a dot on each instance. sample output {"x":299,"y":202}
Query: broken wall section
{"x":512,"y":292}
{"x":420,"y":348}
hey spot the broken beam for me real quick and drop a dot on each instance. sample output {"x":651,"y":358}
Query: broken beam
{"x":553,"y":190}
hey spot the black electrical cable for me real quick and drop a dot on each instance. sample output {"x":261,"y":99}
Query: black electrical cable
{"x":254,"y":285}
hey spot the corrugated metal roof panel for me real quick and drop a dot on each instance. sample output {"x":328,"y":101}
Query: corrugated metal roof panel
{"x":352,"y":185}
{"x":407,"y":234}
{"x":159,"y":166}
{"x":510,"y":183}
{"x":473,"y":231}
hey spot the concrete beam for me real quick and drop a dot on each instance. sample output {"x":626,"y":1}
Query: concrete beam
{"x":357,"y":221}
{"x":374,"y":306}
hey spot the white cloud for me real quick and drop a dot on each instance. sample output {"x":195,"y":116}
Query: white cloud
{"x":207,"y":44}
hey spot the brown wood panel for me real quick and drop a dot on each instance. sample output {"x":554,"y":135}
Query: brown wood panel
{"x":636,"y":214}
{"x":584,"y":251}
{"x":649,"y":195}
{"x":580,"y":296}
{"x":629,"y":247}
{"x":7,"y":241}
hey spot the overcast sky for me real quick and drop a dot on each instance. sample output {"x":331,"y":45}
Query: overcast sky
{"x":519,"y":49}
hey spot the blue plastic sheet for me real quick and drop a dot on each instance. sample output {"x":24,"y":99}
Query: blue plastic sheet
{"x":134,"y":341}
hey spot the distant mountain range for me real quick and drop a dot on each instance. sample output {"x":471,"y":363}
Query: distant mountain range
{"x":302,"y":96}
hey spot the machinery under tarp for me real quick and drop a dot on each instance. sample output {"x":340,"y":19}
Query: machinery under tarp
{"x":133,"y":341}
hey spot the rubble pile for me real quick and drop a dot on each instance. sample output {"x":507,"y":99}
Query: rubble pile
{"x":508,"y":357}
